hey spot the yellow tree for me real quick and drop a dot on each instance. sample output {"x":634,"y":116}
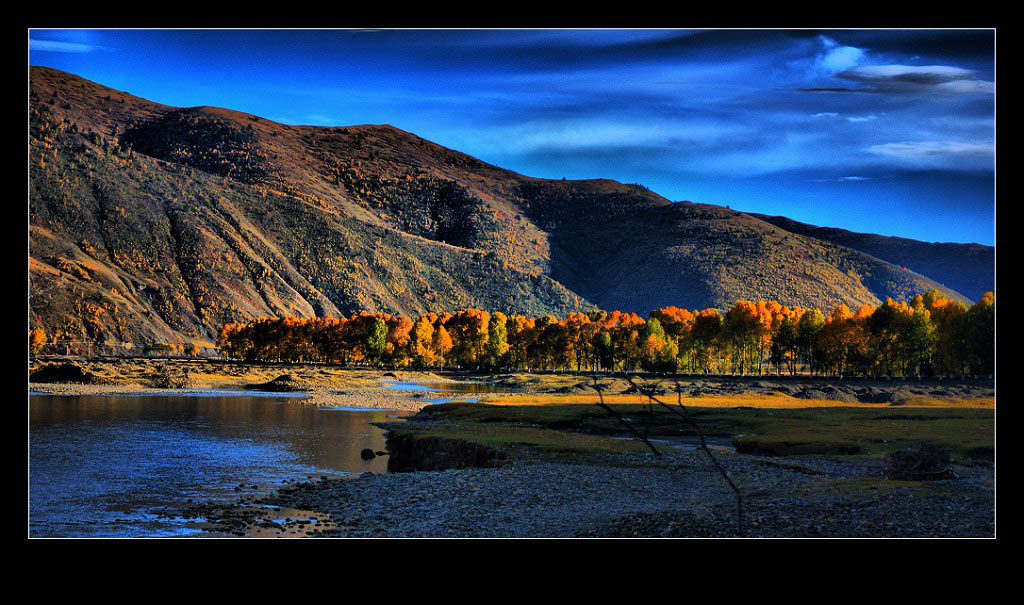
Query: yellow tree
{"x":743,"y":327}
{"x":441,"y":345}
{"x":36,"y":340}
{"x":421,"y":340}
{"x":577,"y":329}
{"x":678,"y":326}
{"x":398,"y":340}
{"x":831,"y":342}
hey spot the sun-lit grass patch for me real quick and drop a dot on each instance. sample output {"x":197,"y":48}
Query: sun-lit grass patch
{"x":872,"y":430}
{"x":754,"y":400}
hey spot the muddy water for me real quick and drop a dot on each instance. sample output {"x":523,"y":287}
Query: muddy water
{"x":118,"y":466}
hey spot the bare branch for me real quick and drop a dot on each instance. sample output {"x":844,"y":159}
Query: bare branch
{"x":621,"y":419}
{"x":650,"y":394}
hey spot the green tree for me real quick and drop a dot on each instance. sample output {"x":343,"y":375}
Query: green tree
{"x":807,"y":330}
{"x":497,"y":340}
{"x":377,"y":340}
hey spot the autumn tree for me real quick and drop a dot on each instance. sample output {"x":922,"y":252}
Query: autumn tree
{"x":981,"y":326}
{"x":519,"y":333}
{"x":918,"y":340}
{"x":888,"y":324}
{"x":784,"y":345}
{"x":953,"y":344}
{"x":678,"y":326}
{"x":807,"y":330}
{"x":398,"y":340}
{"x":421,"y":340}
{"x":441,"y":345}
{"x":707,"y":334}
{"x":930,"y":335}
{"x":742,"y":327}
{"x":36,"y":340}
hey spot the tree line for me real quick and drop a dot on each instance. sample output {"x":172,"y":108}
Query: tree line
{"x":929,"y":336}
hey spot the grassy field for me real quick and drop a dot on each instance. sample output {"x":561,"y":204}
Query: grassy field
{"x":763,"y":424}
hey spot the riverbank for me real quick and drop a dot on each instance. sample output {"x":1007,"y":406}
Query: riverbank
{"x":314,"y":385}
{"x":633,"y":495}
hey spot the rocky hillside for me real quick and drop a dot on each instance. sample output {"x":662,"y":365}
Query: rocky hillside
{"x":151,"y":223}
{"x":966,"y":268}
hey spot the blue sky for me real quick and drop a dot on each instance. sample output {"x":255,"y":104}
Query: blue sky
{"x":882,"y":131}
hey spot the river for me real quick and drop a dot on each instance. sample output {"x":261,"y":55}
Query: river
{"x":121,"y":466}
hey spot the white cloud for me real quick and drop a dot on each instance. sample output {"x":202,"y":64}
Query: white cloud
{"x":826,"y":114}
{"x":861,"y":118}
{"x":842,"y":58}
{"x":837,"y":58}
{"x":589,"y":134}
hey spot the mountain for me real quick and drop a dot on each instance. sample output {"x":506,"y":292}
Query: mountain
{"x":966,"y":268}
{"x":156,"y":223}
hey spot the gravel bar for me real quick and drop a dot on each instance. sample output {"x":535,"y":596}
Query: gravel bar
{"x":638,"y":495}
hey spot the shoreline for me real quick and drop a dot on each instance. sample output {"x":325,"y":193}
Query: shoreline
{"x":379,"y":398}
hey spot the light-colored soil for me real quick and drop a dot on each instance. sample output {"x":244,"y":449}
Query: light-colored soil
{"x":317,"y":385}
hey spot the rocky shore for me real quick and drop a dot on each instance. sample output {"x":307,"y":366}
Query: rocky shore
{"x":677,"y":495}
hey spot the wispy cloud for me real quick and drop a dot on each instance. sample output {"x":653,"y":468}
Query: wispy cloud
{"x":922,"y":149}
{"x":909,"y":78}
{"x":62,"y":47}
{"x":862,"y":118}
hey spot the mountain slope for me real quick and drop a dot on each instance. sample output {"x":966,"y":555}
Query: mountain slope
{"x":966,"y":268}
{"x":154,"y":223}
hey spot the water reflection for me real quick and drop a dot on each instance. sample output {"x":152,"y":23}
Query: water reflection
{"x":447,"y":387}
{"x":114,"y":465}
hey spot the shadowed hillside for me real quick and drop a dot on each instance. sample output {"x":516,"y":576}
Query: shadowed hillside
{"x":154,"y":223}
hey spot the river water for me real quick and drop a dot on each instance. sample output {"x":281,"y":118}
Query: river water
{"x":120,"y":466}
